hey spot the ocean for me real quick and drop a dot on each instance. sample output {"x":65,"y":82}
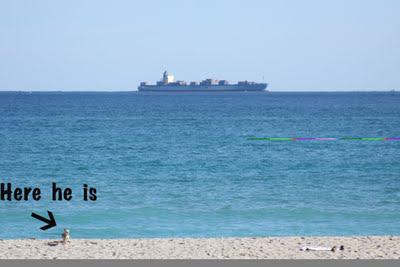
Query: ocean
{"x":182,"y":165}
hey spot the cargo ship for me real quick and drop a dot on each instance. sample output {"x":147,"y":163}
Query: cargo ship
{"x":168,"y":84}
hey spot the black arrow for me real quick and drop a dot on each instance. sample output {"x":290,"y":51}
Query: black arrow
{"x":50,"y":223}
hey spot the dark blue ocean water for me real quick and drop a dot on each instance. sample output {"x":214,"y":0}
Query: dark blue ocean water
{"x":182,"y":165}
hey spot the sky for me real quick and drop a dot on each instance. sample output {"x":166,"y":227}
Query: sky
{"x":99,"y":45}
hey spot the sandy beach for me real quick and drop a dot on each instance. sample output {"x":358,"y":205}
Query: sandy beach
{"x":377,"y":247}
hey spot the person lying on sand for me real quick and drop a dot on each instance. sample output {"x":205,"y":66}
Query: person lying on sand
{"x":333,"y":249}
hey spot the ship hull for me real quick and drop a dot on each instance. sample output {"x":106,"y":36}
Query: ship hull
{"x":259,"y":87}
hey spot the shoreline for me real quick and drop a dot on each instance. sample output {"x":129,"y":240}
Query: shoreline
{"x":354,"y":247}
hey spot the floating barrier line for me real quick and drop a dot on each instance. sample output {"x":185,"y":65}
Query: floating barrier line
{"x":324,"y":138}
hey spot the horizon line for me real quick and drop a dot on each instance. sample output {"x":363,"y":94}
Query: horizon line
{"x":129,"y":90}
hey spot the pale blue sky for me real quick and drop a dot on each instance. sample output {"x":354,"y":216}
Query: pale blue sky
{"x":113,"y":45}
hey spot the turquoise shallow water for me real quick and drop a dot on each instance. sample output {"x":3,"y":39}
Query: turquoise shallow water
{"x":182,"y":165}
